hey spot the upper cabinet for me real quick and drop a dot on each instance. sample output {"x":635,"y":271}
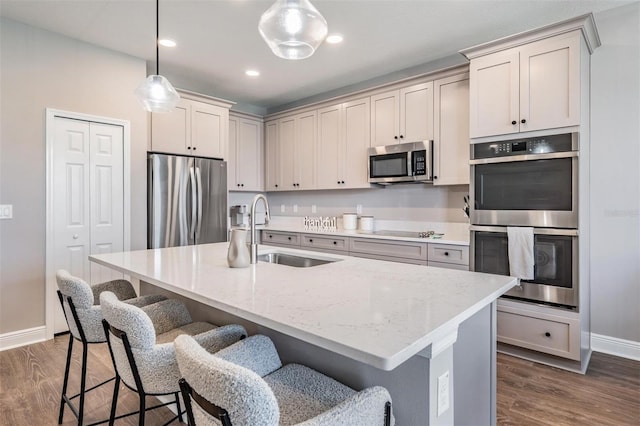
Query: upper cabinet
{"x":531,"y":81}
{"x":291,"y":152}
{"x":343,"y":140}
{"x":451,"y":130}
{"x":403,"y":115}
{"x":192,"y":128}
{"x":246,"y":155}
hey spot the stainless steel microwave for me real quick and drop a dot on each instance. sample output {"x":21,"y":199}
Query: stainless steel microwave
{"x":405,"y":162}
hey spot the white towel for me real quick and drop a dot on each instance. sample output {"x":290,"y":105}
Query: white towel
{"x":521,"y":259}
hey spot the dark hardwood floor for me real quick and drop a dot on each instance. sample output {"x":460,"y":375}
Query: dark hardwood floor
{"x":528,"y":393}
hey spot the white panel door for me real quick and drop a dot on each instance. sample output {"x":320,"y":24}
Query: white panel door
{"x":305,"y":150}
{"x":286,"y":153}
{"x":106,"y":196}
{"x":272,"y":156}
{"x":416,"y":113}
{"x":385,"y":118}
{"x":249,"y":155}
{"x":330,"y":148}
{"x":209,"y":131}
{"x":171,"y":132}
{"x":88,"y":195}
{"x":356,"y":140}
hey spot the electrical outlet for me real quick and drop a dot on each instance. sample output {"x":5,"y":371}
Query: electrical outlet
{"x":295,"y":208}
{"x":313,"y":208}
{"x":359,"y":209}
{"x":443,"y":393}
{"x":6,"y":211}
{"x":281,"y":208}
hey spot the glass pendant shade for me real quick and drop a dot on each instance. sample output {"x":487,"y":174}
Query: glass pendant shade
{"x":157,"y":94}
{"x":293,"y":29}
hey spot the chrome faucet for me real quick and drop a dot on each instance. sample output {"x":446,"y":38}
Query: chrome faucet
{"x":253,"y":247}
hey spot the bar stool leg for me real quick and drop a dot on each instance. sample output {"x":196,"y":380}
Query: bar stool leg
{"x":66,"y":379}
{"x":83,"y":381}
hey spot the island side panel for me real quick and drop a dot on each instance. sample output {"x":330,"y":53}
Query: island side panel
{"x":474,"y":359}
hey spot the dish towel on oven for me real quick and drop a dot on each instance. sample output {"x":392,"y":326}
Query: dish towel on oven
{"x":521,"y":259}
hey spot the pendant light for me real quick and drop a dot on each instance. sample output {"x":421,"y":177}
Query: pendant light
{"x":155,"y":92}
{"x":293,"y":29}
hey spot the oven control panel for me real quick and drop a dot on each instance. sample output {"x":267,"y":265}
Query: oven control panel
{"x":540,"y":145}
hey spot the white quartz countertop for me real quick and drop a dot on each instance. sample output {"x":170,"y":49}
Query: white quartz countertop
{"x":456,"y":234}
{"x":380,"y":313}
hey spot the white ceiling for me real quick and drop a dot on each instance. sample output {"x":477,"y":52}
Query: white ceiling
{"x":218,"y":39}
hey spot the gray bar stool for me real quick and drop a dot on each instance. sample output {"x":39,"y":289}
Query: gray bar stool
{"x":141,"y":345}
{"x":80,"y":304}
{"x":247,"y":384}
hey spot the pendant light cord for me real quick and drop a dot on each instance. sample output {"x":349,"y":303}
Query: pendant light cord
{"x":157,"y":37}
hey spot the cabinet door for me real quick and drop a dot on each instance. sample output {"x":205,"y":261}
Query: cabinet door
{"x":451,"y":131}
{"x":416,"y":112}
{"x":286,"y":154}
{"x":385,"y":118}
{"x":550,"y":83}
{"x":330,"y":147}
{"x":305,"y":150}
{"x":249,"y":156}
{"x":272,"y":156}
{"x":232,"y":161}
{"x":209,"y":132}
{"x":356,"y":140}
{"x":494,"y":98}
{"x":171,"y":132}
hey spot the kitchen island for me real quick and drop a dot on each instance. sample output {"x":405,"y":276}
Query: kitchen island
{"x":412,"y":329}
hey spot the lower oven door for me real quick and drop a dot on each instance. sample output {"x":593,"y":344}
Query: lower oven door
{"x":555,"y":272}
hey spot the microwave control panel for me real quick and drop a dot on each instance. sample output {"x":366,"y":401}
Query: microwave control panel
{"x":419,"y":160}
{"x":540,"y":145}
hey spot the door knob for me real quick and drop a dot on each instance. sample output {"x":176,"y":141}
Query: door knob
{"x":76,"y":236}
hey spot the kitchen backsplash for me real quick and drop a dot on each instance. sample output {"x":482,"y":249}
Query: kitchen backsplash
{"x":412,"y":202}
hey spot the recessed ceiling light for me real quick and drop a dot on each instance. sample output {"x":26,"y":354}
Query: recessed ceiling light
{"x":166,"y":42}
{"x":334,"y":38}
{"x":252,"y":73}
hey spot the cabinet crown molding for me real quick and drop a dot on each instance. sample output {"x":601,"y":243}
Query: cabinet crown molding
{"x":585,"y":23}
{"x":193,"y":96}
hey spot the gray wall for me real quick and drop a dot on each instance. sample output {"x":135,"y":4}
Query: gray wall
{"x":40,"y":69}
{"x":615,"y":175}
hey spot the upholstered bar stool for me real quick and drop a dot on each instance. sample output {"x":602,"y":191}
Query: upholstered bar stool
{"x":142,"y":349}
{"x":80,"y":304}
{"x":246,"y":384}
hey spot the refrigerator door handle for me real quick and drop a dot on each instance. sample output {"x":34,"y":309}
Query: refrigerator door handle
{"x":194,"y":191}
{"x":199,"y":184}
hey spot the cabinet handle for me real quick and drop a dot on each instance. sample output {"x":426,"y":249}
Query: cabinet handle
{"x":547,"y":334}
{"x":446,"y":253}
{"x":242,"y":185}
{"x":435,"y":177}
{"x":237,"y":184}
{"x":523,"y":121}
{"x":289,"y":238}
{"x":342,"y":182}
{"x":335,"y":243}
{"x":395,"y":137}
{"x":194,"y":148}
{"x":188,"y":147}
{"x":338,"y":182}
{"x":310,"y":240}
{"x":401,"y":137}
{"x":270,"y":236}
{"x":514,"y":122}
{"x":276,"y":185}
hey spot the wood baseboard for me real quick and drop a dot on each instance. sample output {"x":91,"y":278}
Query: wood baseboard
{"x":25,"y":337}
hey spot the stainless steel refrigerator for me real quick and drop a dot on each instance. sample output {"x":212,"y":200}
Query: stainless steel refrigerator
{"x":187,"y":200}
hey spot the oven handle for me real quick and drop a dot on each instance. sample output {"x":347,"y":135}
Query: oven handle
{"x":528,"y":157}
{"x":537,"y":231}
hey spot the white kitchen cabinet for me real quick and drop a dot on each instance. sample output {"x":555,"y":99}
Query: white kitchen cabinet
{"x":297,"y":152}
{"x":281,"y":239}
{"x":192,"y":128}
{"x":246,"y":155}
{"x":451,"y":130}
{"x":272,"y":154}
{"x":343,"y":140}
{"x":531,"y":87}
{"x":403,"y":115}
{"x":450,"y":256}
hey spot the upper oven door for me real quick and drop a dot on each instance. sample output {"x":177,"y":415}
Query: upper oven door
{"x":534,"y":190}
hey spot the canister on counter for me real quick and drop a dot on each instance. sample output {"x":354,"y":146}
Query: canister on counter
{"x":349,"y":221}
{"x":366,"y":223}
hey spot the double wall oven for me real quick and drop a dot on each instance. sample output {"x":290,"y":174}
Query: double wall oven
{"x":534,"y":183}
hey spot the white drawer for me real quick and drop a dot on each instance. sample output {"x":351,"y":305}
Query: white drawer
{"x":325,"y":242}
{"x":449,"y":253}
{"x":448,"y":265}
{"x":281,"y":238}
{"x":553,"y":334}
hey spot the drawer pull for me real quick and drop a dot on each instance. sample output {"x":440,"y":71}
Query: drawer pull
{"x":446,"y":253}
{"x":289,"y":238}
{"x":310,"y":240}
{"x":547,"y":334}
{"x":335,"y":242}
{"x":270,"y":236}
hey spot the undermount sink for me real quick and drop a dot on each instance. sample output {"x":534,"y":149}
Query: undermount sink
{"x":293,"y":260}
